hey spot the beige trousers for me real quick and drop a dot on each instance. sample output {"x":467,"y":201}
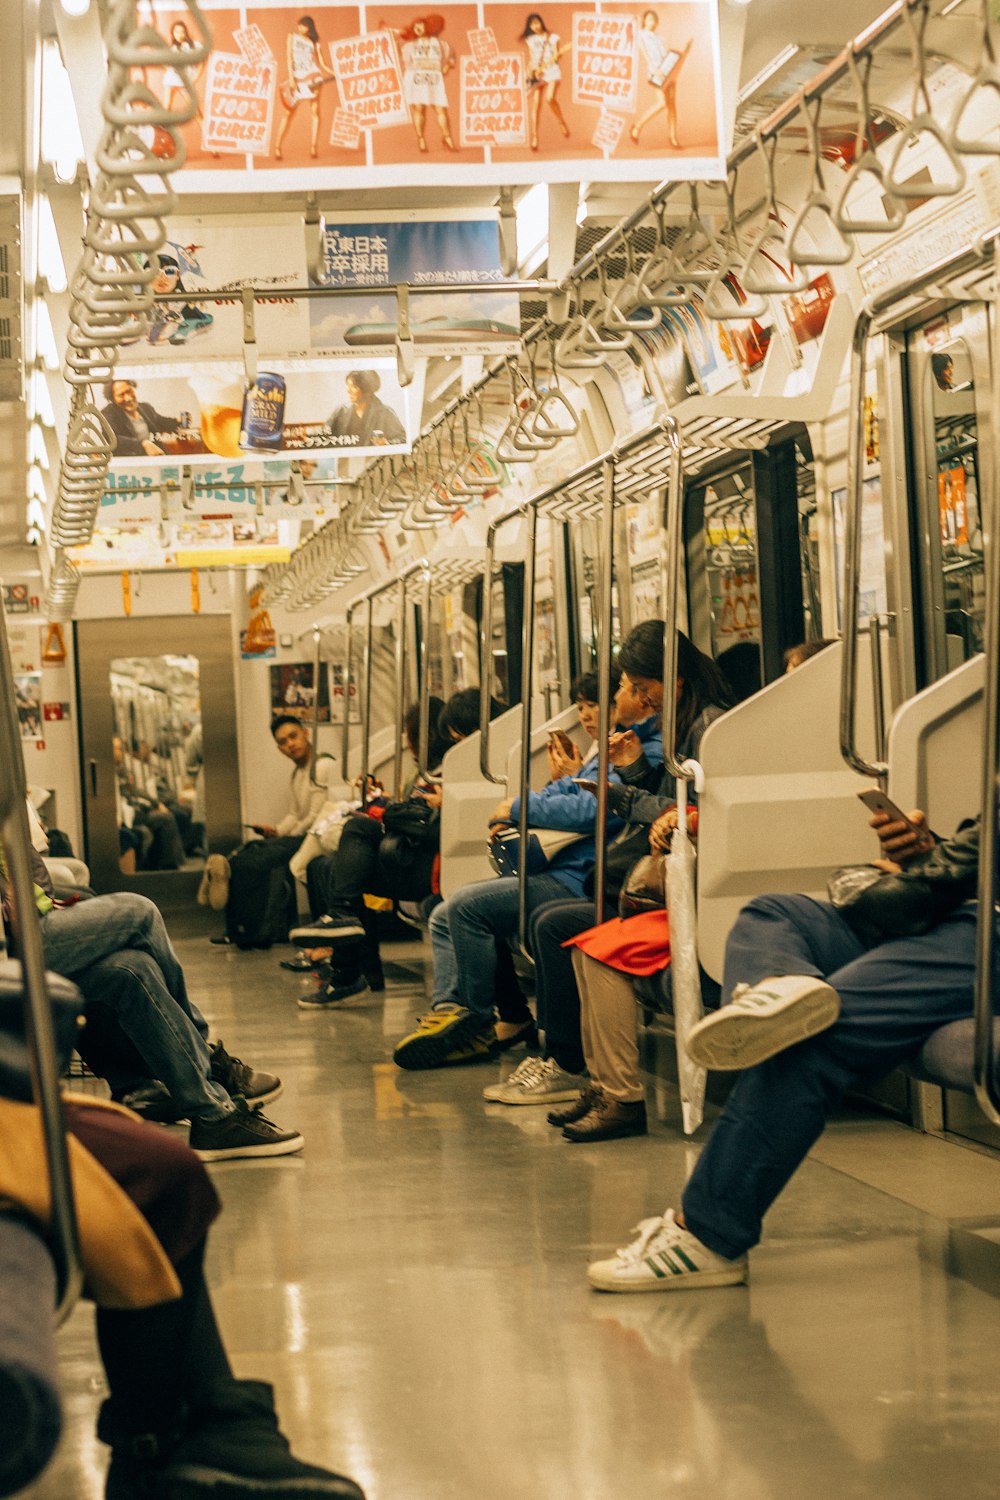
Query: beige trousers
{"x":608,"y":1028}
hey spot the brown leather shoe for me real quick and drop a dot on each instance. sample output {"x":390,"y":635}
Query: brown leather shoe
{"x":568,"y":1114}
{"x":608,"y":1120}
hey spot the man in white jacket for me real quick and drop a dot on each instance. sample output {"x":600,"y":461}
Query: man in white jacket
{"x":311,"y":787}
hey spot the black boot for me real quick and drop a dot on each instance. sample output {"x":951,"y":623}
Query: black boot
{"x":229,"y":1445}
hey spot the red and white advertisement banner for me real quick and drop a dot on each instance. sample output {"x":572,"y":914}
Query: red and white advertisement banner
{"x":494,"y":104}
{"x":370,"y":80}
{"x":604,"y":61}
{"x":351,"y":96}
{"x":239,"y":97}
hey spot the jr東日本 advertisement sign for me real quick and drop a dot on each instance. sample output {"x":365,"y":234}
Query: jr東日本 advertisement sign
{"x":419,"y":251}
{"x":209,"y":413}
{"x":350,"y":95}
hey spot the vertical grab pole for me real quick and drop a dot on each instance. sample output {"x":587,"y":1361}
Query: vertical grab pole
{"x":423,"y":737}
{"x":38,"y":1011}
{"x":315,"y":713}
{"x":673,"y":520}
{"x":366,"y":726}
{"x":397,"y":764}
{"x":604,"y":627}
{"x":878,"y":687}
{"x":485,"y":657}
{"x":527,"y":675}
{"x":986,"y":978}
{"x":345,"y":728}
{"x":852,"y":554}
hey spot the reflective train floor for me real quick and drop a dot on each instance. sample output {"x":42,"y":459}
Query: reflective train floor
{"x":413,"y":1285}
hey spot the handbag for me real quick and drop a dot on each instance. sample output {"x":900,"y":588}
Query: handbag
{"x":408,"y":849}
{"x":67,"y":1007}
{"x":504,"y":848}
{"x":645,"y":887}
{"x":880,"y":905}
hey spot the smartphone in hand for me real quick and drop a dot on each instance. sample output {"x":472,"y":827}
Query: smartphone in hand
{"x":585,"y":783}
{"x":876,"y":801}
{"x":560,"y":738}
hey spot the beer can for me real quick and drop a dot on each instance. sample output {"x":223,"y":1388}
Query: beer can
{"x":263,"y":416}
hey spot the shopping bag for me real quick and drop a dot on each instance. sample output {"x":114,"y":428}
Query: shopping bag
{"x":685,"y":975}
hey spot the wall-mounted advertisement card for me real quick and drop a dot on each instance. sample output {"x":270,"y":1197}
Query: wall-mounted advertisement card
{"x":225,"y":489}
{"x":224,"y":254}
{"x":332,"y":407}
{"x":489,"y":93}
{"x":415,"y":251}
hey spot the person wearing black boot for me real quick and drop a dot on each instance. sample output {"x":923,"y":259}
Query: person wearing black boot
{"x":179,"y":1423}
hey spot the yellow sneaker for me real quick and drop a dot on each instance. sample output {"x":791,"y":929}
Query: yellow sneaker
{"x":441,"y":1036}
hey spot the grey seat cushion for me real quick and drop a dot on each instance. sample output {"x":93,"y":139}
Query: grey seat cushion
{"x":946,"y":1057}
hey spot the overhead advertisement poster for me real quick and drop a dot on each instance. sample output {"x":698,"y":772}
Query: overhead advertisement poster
{"x":357,"y":96}
{"x":415,"y":252}
{"x":336,"y":407}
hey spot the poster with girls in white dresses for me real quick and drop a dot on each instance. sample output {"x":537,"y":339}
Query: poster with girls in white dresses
{"x":463,"y":92}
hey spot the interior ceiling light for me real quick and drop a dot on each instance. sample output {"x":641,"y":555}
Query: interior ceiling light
{"x":50,"y":262}
{"x":532,"y":216}
{"x":37,"y":453}
{"x":75,"y":7}
{"x":62,"y":144}
{"x":39,"y":400}
{"x":45,"y":339}
{"x":35,"y":484}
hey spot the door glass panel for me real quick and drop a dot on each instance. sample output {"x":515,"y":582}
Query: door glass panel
{"x":731,"y":561}
{"x":159,"y":762}
{"x":961,"y":536}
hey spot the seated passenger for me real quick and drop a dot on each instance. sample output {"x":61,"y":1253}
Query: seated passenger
{"x":823,"y":1001}
{"x":339,"y":882}
{"x":349,"y":959}
{"x":464,"y":930}
{"x":309,"y":790}
{"x":646,"y":794}
{"x":179,"y":1423}
{"x":146,"y":990}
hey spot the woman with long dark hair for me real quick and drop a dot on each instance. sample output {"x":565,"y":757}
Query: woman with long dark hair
{"x":544,"y":73}
{"x":307,"y":72}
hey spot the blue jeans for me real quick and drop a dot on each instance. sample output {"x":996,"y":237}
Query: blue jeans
{"x":117,"y":950}
{"x":464,"y":930}
{"x":893,"y":997}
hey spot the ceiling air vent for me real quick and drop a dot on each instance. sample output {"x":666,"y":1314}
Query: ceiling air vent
{"x":11,"y":373}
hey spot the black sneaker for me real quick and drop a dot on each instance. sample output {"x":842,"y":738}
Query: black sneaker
{"x":230,"y":1446}
{"x":237,"y":1077}
{"x":243,"y":1133}
{"x":328,"y":929}
{"x":333,"y":993}
{"x":152,"y":1101}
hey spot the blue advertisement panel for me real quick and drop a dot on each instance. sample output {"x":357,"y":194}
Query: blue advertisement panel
{"x":417,"y":252}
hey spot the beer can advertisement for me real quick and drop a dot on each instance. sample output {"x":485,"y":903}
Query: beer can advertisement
{"x":214,"y":413}
{"x":353,"y":96}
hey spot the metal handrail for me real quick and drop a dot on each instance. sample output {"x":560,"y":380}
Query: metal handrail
{"x":984,"y":1052}
{"x":966,"y":260}
{"x":64,"y":1231}
{"x":485,"y":649}
{"x":524,"y":769}
{"x":670,"y":553}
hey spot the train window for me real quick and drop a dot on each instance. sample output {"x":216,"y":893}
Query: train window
{"x":752,"y":561}
{"x":159,"y":761}
{"x":962,"y":578}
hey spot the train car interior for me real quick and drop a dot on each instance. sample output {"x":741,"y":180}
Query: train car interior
{"x":566,"y":756}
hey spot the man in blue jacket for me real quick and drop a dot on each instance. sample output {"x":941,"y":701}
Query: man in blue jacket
{"x":466,"y":928}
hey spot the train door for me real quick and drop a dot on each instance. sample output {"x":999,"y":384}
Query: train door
{"x":751,"y":561}
{"x":159,"y":748}
{"x":948,"y":379}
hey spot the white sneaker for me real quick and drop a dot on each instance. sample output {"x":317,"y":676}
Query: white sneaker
{"x":665,"y":1258}
{"x":535,"y":1081}
{"x":761,"y":1020}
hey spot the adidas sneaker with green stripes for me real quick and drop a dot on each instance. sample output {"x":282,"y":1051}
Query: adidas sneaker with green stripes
{"x":665,"y":1258}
